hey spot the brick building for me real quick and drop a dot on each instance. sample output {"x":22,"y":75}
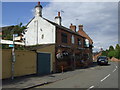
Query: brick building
{"x":72,"y":49}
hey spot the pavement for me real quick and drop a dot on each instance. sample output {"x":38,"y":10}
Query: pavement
{"x":31,"y":81}
{"x":115,"y":59}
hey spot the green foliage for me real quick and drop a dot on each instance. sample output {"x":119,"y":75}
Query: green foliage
{"x":17,"y":47}
{"x":20,"y":47}
{"x":111,"y":48}
{"x":7,"y":32}
{"x":104,"y":53}
{"x":117,"y":54}
{"x":117,"y":47}
{"x":112,"y":52}
{"x":5,"y":46}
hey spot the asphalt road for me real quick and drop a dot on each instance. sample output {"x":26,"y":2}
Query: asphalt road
{"x":94,"y":77}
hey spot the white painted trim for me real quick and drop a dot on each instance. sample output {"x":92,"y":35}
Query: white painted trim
{"x":105,"y":77}
{"x":10,"y":42}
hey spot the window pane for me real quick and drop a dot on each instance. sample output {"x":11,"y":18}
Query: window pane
{"x":64,"y":37}
{"x":79,"y":41}
{"x":72,"y":39}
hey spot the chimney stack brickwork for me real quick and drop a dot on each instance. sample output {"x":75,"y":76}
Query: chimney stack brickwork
{"x":73,"y":27}
{"x":83,"y":33}
{"x":58,"y":14}
{"x":80,"y":27}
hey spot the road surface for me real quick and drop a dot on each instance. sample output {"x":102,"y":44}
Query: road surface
{"x":94,"y":77}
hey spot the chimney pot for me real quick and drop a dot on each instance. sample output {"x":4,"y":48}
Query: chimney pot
{"x":58,"y":14}
{"x":80,"y":27}
{"x":38,"y":3}
{"x":38,"y":10}
{"x":73,"y":27}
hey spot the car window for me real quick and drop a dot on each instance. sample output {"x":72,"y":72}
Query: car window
{"x":102,"y":57}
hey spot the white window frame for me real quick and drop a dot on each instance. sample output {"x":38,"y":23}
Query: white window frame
{"x":73,"y":39}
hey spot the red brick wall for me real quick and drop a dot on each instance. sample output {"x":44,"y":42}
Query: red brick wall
{"x":69,"y":35}
{"x":73,"y":50}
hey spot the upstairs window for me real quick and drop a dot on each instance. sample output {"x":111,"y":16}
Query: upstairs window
{"x":72,"y":39}
{"x":86,"y":43}
{"x":64,"y":37}
{"x":79,"y":42}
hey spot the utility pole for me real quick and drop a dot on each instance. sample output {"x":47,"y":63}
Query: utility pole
{"x":13,"y":57}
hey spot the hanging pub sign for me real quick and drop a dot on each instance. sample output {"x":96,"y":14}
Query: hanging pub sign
{"x":62,"y":55}
{"x":65,"y":53}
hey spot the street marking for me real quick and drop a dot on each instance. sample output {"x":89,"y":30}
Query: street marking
{"x":90,"y":87}
{"x":105,"y":78}
{"x":114,"y":70}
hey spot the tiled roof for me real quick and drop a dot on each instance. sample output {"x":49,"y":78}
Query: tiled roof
{"x":30,"y":21}
{"x":64,"y":28}
{"x":82,"y":33}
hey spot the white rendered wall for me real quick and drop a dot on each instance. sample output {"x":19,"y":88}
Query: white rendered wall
{"x":40,"y":31}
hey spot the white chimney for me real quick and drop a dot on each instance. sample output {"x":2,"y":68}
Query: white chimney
{"x":58,"y":19}
{"x":38,"y":10}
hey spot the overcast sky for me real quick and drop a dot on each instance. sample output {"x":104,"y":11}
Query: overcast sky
{"x":100,"y":19}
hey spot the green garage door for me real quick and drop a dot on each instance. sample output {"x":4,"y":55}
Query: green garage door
{"x":43,"y":63}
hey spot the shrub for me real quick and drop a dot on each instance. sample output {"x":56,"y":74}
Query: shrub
{"x":117,"y":54}
{"x":111,"y":54}
{"x":104,"y":53}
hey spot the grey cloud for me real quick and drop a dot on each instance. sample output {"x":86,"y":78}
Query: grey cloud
{"x":99,"y":19}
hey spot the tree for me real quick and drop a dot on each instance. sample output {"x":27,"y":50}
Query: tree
{"x":117,"y":54}
{"x":104,"y":53}
{"x":111,"y":48}
{"x":7,"y":34}
{"x":117,"y":51}
{"x":111,"y":54}
{"x":117,"y":47}
{"x":9,"y":31}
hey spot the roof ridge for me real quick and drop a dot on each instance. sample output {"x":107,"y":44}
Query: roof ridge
{"x":60,"y":26}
